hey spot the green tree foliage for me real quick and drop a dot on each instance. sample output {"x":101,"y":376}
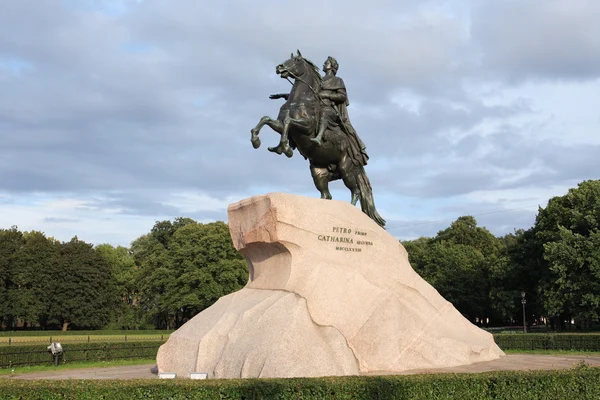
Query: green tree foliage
{"x":567,"y":240}
{"x":181,"y":267}
{"x":506,"y":281}
{"x":170,"y":274}
{"x":154,"y":280}
{"x":82,"y":291}
{"x":457,"y":271}
{"x":126,"y":314}
{"x":184,"y":268}
{"x":34,"y":262}
{"x":45,"y":283}
{"x":574,"y":262}
{"x":10,"y":242}
{"x":556,"y":263}
{"x":122,"y":266}
{"x":460,"y":262}
{"x":464,"y":231}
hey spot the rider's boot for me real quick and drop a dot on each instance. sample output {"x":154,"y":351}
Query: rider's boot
{"x":319,"y":137}
{"x":282,"y":148}
{"x":276,"y":149}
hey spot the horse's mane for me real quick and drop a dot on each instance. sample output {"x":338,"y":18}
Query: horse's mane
{"x":316,"y":71}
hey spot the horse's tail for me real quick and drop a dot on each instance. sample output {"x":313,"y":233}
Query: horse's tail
{"x":366,"y":197}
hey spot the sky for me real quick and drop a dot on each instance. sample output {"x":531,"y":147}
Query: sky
{"x":115,"y":114}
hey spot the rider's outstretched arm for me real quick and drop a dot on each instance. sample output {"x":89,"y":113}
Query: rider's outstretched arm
{"x":279,"y":96}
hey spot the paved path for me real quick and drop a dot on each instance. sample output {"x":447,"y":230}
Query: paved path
{"x":125,"y":372}
{"x":510,"y":362}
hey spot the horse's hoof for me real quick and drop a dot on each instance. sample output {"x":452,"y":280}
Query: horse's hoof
{"x":289,"y":152}
{"x":255,"y":142}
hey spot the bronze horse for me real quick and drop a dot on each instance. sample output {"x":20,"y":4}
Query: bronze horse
{"x":297,"y":123}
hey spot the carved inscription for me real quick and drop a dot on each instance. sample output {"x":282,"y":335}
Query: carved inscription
{"x":353,"y":240}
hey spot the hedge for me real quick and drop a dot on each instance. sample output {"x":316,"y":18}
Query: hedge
{"x":567,"y":384}
{"x":39,"y":355}
{"x":548,"y":341}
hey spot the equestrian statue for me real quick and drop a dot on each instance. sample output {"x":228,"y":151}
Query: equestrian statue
{"x":314,"y":120}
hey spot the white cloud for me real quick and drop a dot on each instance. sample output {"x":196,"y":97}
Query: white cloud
{"x":116,"y":114}
{"x":191,"y":202}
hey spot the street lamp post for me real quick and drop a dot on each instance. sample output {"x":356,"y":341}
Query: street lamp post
{"x":523,"y":301}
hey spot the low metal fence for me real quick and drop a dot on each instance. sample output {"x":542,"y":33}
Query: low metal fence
{"x":21,"y":340}
{"x":26,"y":355}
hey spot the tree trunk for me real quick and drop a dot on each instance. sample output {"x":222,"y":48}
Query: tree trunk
{"x":65,"y":326}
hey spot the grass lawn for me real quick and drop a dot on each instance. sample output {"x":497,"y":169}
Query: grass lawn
{"x":74,"y":365}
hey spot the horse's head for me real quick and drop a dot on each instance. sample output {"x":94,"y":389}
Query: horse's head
{"x":297,"y":66}
{"x":293,"y":67}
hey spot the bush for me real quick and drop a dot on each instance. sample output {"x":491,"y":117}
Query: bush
{"x":548,"y":341}
{"x":571,"y":384}
{"x":39,"y":355}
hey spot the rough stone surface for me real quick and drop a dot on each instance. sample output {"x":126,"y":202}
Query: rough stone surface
{"x":330,"y":293}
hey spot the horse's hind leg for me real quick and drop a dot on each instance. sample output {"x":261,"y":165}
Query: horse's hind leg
{"x":276,"y":125}
{"x":348,"y":172}
{"x":321,"y":178}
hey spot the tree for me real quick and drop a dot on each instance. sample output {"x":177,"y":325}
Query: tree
{"x":31,"y":275}
{"x":208,"y":266}
{"x":566,"y":248}
{"x":184,"y":268}
{"x":82,"y":292}
{"x":162,"y":231}
{"x":464,"y":231}
{"x":11,"y":241}
{"x":522,"y":272}
{"x":455,"y":270}
{"x":458,"y":262}
{"x":124,"y":274}
{"x":417,"y":251}
{"x":574,"y":260}
{"x":154,"y":278}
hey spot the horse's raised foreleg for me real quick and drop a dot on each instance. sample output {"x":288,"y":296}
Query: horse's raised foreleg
{"x":276,"y":125}
{"x":289,"y":122}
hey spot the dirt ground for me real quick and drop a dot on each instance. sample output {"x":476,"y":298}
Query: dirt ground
{"x":509,"y":362}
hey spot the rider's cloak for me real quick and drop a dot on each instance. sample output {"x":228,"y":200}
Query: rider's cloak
{"x":357,"y":149}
